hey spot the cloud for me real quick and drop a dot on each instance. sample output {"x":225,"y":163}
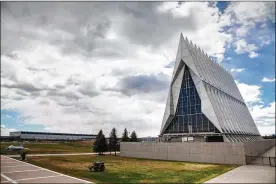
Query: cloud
{"x":82,"y":67}
{"x":243,"y":47}
{"x":264,"y":116}
{"x":246,"y":15}
{"x":6,"y":131}
{"x":268,"y":79}
{"x":237,"y":69}
{"x":210,"y":20}
{"x":250,"y":93}
{"x":145,"y":83}
{"x":249,"y":24}
{"x":228,"y":58}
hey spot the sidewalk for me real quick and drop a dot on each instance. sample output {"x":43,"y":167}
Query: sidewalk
{"x":249,"y":173}
{"x":60,"y":154}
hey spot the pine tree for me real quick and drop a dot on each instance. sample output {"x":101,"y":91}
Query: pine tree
{"x":133,"y":137}
{"x":102,"y":144}
{"x":125,"y":137}
{"x":113,"y":140}
{"x":96,"y":143}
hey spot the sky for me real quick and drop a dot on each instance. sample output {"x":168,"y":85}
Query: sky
{"x":78,"y":67}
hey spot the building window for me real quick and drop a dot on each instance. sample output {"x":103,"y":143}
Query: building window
{"x":189,"y":117}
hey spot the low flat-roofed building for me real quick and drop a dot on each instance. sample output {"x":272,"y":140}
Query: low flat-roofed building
{"x":26,"y":135}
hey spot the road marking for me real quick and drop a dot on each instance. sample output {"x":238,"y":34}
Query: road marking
{"x":24,"y":171}
{"x":7,"y":178}
{"x":16,"y":166}
{"x":39,"y":177}
{"x":81,"y":180}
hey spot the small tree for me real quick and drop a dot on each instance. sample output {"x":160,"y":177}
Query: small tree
{"x":113,"y":140}
{"x":102,"y":144}
{"x":133,"y":137}
{"x":125,"y":137}
{"x":96,"y":142}
{"x":23,"y":154}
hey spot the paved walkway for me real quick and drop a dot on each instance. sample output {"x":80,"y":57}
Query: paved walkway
{"x":59,"y":154}
{"x":264,"y":158}
{"x":15,"y":171}
{"x":249,"y":173}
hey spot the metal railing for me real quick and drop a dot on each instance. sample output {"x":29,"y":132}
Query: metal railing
{"x":261,"y":160}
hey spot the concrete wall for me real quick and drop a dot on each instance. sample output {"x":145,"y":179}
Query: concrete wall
{"x":205,"y":152}
{"x":258,"y":147}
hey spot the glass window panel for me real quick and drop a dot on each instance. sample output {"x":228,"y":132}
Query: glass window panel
{"x":193,"y":120}
{"x":189,"y":110}
{"x":180,"y":119}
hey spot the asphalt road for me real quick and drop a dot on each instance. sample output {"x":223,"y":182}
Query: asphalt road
{"x":15,"y":171}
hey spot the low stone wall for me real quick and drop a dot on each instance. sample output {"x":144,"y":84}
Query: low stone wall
{"x":205,"y":152}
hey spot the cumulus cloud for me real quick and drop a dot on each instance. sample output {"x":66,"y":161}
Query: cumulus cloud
{"x":250,"y":93}
{"x":248,"y":20}
{"x":264,"y":116}
{"x":6,"y":131}
{"x":243,"y":47}
{"x":268,"y":79}
{"x":81,"y":67}
{"x":237,"y":69}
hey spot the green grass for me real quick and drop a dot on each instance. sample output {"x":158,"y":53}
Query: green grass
{"x":63,"y":147}
{"x":132,"y":170}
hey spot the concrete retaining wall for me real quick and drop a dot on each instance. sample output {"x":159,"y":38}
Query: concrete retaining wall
{"x":205,"y":152}
{"x":258,"y":147}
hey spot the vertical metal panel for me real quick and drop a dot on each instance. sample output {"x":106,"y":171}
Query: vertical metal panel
{"x":199,"y":62}
{"x":167,"y":110}
{"x":227,"y":111}
{"x":176,"y":88}
{"x":219,"y":103}
{"x":214,"y":106}
{"x":230,"y":109}
{"x":242,"y":117}
{"x":189,"y":58}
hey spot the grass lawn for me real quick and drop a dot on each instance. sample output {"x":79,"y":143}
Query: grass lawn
{"x":63,"y":147}
{"x":131,"y":170}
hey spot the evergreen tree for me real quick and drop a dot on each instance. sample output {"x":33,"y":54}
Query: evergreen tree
{"x":133,"y":137}
{"x":100,"y":144}
{"x":125,"y":137}
{"x":113,"y":140}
